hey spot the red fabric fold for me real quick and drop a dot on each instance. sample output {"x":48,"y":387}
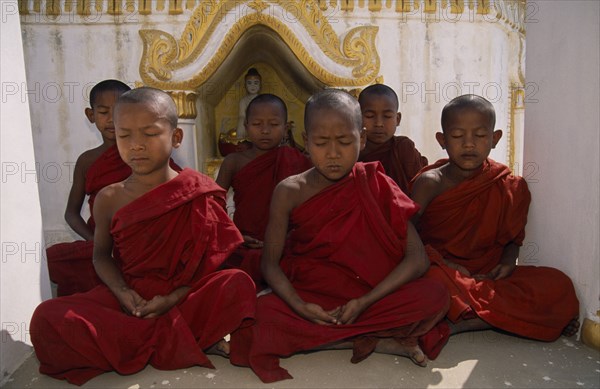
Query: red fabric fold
{"x":400,"y":159}
{"x":470,"y":225}
{"x":175,"y":235}
{"x":343,"y":242}
{"x":253,"y":188}
{"x":106,"y":169}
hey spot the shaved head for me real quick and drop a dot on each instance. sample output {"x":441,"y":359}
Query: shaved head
{"x":159,"y":100}
{"x":472,"y":102}
{"x":333,"y":99}
{"x":378,"y":90}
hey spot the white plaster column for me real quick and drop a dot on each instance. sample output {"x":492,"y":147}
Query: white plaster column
{"x":561,"y":151}
{"x":24,"y":276}
{"x":185,"y":156}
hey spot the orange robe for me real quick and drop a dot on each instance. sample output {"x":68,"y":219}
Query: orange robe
{"x":470,"y":225}
{"x":344,"y":241}
{"x":176,"y":235}
{"x":70,"y":264}
{"x":400,"y":159}
{"x":253,"y":187}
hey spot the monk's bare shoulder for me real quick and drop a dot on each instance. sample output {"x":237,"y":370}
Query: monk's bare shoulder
{"x":110,"y":199}
{"x":290,"y":191}
{"x":427,"y":186}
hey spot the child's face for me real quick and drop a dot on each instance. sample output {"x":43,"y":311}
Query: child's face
{"x":145,"y":141}
{"x":265,"y":125}
{"x":468,"y":138}
{"x":252,"y":84}
{"x":333,"y":143}
{"x":380,"y":118}
{"x":101,"y":114}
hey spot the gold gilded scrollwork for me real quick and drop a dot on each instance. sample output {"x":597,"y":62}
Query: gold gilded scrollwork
{"x":160,"y":49}
{"x":163,"y":56}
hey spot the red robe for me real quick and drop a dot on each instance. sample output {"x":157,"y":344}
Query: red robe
{"x":176,"y":235}
{"x":70,"y":264}
{"x":343,"y":242}
{"x":253,"y":187}
{"x":470,"y":225}
{"x":400,"y":159}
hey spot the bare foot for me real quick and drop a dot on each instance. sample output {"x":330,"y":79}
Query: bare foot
{"x":571,"y":328}
{"x":220,"y":348}
{"x":414,"y":352}
{"x":468,"y":325}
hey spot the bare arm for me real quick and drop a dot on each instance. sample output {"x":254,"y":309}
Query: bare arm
{"x":104,"y":263}
{"x":281,"y":206}
{"x":76,"y":198}
{"x":413,"y":266}
{"x":226,"y":172}
{"x":425,"y":188}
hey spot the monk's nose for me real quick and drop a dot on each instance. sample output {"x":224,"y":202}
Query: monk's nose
{"x":136,"y":143}
{"x":468,"y":142}
{"x":332,"y":151}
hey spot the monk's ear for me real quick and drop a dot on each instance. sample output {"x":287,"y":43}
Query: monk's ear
{"x":177,"y":137}
{"x":363,"y":138}
{"x":496,"y":136}
{"x":439,"y":136}
{"x":398,"y":118}
{"x":89,"y":113}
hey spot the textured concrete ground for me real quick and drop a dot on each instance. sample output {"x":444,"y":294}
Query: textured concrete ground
{"x":472,"y":360}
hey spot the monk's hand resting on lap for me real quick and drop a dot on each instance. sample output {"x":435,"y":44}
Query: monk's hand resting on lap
{"x":158,"y":306}
{"x":316,"y":314}
{"x":252,"y":243}
{"x":131,"y":302}
{"x":499,"y":272}
{"x":350,"y":311}
{"x":461,"y":269}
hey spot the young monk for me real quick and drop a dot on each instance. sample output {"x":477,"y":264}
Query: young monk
{"x":159,"y":238}
{"x":398,"y":155}
{"x":70,"y":264}
{"x":473,"y":213}
{"x":349,"y":276}
{"x":253,"y":174}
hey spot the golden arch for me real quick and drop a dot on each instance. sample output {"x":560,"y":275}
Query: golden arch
{"x":172,"y":64}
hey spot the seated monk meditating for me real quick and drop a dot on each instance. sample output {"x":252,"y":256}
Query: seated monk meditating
{"x":347,"y":274}
{"x":472,"y":217}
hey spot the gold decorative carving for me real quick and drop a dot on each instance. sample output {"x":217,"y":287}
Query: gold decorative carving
{"x":160,"y":49}
{"x":186,"y":103}
{"x":163,"y":55}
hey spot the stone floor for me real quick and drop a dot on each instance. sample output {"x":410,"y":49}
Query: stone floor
{"x":471,"y":360}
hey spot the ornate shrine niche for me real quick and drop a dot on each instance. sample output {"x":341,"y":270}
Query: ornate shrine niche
{"x":292,"y":45}
{"x":281,"y":72}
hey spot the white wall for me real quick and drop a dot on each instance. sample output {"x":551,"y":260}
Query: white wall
{"x":562,"y":123}
{"x":24,"y":280}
